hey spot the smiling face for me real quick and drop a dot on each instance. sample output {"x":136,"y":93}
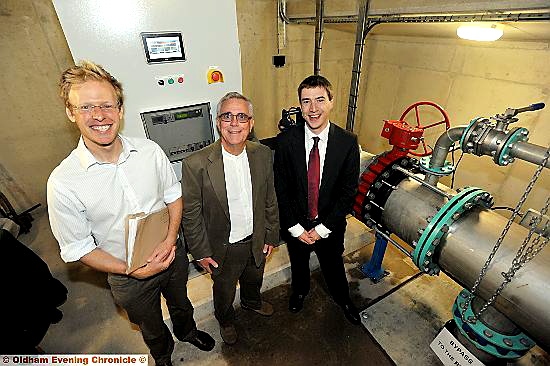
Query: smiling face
{"x":316,"y":107}
{"x":234,"y":133}
{"x":99,"y":128}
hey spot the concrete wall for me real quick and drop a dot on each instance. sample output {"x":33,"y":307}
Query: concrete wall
{"x":36,"y":134}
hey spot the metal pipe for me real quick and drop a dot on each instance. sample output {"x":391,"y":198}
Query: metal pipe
{"x":363,"y":27}
{"x":441,"y":150}
{"x":395,"y":244}
{"x":493,"y":15}
{"x":465,"y":248}
{"x":431,"y":187}
{"x":529,"y":152}
{"x":319,"y":10}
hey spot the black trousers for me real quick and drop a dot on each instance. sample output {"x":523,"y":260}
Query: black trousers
{"x":329,"y":252}
{"x":238,"y":266}
{"x":141,"y":300}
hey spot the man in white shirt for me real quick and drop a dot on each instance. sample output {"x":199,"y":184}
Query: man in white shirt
{"x":230,"y":218}
{"x":91,"y":192}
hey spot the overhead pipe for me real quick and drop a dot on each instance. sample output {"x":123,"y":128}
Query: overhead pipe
{"x":363,"y":27}
{"x":319,"y":9}
{"x":494,"y":15}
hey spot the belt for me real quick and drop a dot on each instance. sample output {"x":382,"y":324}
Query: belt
{"x":243,"y":240}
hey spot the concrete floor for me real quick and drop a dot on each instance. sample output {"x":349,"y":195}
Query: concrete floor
{"x":402,"y":315}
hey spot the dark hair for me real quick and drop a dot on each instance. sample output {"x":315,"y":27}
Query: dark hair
{"x":315,"y":81}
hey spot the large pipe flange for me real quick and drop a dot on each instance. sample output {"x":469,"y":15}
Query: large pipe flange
{"x":472,"y":135}
{"x":424,"y":254}
{"x":376,"y":184}
{"x":510,"y":344}
{"x":503,"y":156}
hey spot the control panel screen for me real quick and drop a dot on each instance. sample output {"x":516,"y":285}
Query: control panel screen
{"x":163,"y":47}
{"x":180,"y":131}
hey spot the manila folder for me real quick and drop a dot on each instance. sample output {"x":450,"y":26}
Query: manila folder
{"x":151,"y":230}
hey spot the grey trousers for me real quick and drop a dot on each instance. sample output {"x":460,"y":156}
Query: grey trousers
{"x":141,"y":300}
{"x":238,"y":266}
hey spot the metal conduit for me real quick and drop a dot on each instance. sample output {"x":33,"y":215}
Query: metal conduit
{"x":363,"y":27}
{"x":502,"y":15}
{"x":320,"y":6}
{"x":465,"y":248}
{"x":441,"y":150}
{"x":529,"y":152}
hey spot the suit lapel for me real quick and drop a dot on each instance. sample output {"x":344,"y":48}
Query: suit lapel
{"x":298,"y":153}
{"x":330,"y":167}
{"x":217,"y":177}
{"x":255,"y":168}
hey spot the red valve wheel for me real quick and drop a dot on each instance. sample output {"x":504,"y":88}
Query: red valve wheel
{"x":446,"y":121}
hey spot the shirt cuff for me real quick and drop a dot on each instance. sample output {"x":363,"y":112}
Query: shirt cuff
{"x":296,"y":230}
{"x":323,"y":231}
{"x":172,"y":193}
{"x":74,"y":251}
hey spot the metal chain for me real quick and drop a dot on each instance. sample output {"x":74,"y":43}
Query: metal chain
{"x":524,"y":254}
{"x":520,"y":259}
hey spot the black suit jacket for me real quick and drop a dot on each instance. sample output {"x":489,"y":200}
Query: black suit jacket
{"x":338,"y":183}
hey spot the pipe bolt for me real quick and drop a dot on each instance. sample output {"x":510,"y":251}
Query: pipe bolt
{"x":508,"y":342}
{"x":525,"y":342}
{"x":488,"y":333}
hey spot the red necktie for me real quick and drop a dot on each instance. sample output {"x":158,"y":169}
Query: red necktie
{"x":313,"y":172}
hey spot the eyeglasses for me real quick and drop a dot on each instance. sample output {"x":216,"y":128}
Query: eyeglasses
{"x":88,"y":108}
{"x":240,"y":117}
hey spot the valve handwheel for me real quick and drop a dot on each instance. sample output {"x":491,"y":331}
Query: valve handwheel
{"x":445,"y":120}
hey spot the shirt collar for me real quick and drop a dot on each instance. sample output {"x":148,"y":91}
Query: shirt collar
{"x":323,"y":136}
{"x":228,"y":155}
{"x":87,"y":159}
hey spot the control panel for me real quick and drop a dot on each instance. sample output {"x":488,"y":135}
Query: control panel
{"x":180,"y":131}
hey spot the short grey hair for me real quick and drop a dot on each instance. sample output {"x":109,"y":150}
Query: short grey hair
{"x":235,"y":95}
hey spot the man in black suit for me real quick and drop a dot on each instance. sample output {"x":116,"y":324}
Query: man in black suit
{"x":316,"y":173}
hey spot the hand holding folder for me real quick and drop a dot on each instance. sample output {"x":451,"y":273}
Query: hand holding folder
{"x":144,"y":232}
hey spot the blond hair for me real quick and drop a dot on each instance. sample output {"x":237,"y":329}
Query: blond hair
{"x":85,"y":71}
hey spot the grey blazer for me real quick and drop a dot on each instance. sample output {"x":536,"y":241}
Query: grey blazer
{"x":206,"y":212}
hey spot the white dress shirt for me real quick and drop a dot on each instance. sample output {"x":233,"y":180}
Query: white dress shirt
{"x":238,"y":186}
{"x":89,"y":200}
{"x":321,"y":229}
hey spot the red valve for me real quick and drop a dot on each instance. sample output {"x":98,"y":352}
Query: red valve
{"x":445,"y":120}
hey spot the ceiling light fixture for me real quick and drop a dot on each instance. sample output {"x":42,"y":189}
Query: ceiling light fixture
{"x":480,"y":32}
